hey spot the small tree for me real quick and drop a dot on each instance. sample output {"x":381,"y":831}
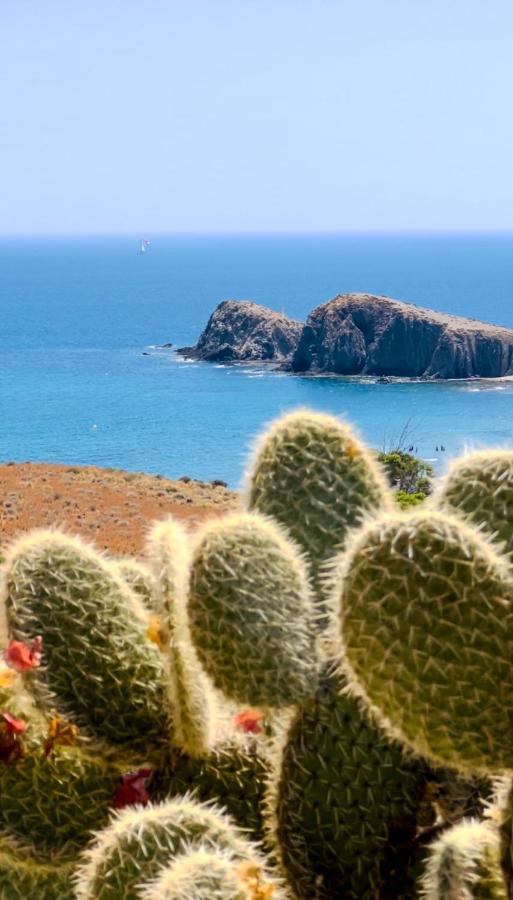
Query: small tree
{"x":407,"y":474}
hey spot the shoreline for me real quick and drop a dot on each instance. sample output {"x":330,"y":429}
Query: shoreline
{"x":281,"y":369}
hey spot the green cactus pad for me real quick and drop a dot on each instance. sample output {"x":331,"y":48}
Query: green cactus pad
{"x":99,"y":669}
{"x":480,"y":488}
{"x":312,"y":474}
{"x":26,"y":875}
{"x":464,"y":864}
{"x":346,"y":803}
{"x":58,"y":798}
{"x":232,"y":777}
{"x":251,"y":612}
{"x":427,"y":625}
{"x":139,"y":842}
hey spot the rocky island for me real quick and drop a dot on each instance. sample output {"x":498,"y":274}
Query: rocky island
{"x":358,"y":334}
{"x":240,"y":330}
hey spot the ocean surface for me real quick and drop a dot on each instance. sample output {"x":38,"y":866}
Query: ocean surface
{"x":77,"y":315}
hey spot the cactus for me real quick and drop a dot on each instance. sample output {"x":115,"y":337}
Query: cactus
{"x":139,"y":579}
{"x":346,"y":802}
{"x":480,"y":488}
{"x":232,"y":776}
{"x":51,"y":795}
{"x":26,"y":875}
{"x":464,"y":864}
{"x":206,"y":874}
{"x":139,"y":842}
{"x":251,"y":612}
{"x":427,"y":627}
{"x":191,"y":696}
{"x":99,"y":668}
{"x":312,"y":474}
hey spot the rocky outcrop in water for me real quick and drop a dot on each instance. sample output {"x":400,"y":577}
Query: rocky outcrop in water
{"x":358,"y":334}
{"x":361,"y":334}
{"x":240,"y":330}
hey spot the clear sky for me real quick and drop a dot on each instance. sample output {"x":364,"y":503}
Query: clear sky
{"x":255,"y":115}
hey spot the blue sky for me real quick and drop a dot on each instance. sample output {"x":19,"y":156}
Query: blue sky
{"x":255,"y":115}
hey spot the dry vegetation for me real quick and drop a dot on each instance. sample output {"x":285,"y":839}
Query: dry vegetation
{"x":111,"y":507}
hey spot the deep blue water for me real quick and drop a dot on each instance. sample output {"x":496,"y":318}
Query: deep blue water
{"x":76,"y":315}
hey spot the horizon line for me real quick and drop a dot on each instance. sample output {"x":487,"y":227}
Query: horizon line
{"x":347,"y":232}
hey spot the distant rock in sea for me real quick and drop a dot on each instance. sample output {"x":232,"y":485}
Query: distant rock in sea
{"x":358,"y":334}
{"x":239,"y":330}
{"x":361,"y":334}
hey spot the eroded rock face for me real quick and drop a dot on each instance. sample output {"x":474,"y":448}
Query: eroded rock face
{"x":363,"y":334}
{"x":240,"y":330}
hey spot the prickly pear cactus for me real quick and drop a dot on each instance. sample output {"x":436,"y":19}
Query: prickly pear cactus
{"x":346,"y":802}
{"x":54,"y":789}
{"x":251,"y":612}
{"x":233,"y":776}
{"x":312,"y":474}
{"x":99,"y":669}
{"x":464,"y":864}
{"x":480,"y":488}
{"x":139,"y":842}
{"x":426,"y":619}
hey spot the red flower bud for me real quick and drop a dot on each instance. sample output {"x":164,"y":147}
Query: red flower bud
{"x":24,"y":657}
{"x":132,"y":789}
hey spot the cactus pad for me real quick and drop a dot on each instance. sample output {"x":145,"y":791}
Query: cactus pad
{"x":480,"y":488}
{"x":427,"y":624}
{"x":99,"y":669}
{"x":251,"y":612}
{"x":313,"y":475}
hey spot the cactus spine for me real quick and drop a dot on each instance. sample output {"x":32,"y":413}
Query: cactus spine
{"x":251,"y":612}
{"x":99,"y":668}
{"x":427,"y":626}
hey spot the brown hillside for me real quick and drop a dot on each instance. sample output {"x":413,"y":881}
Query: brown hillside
{"x":110,"y":507}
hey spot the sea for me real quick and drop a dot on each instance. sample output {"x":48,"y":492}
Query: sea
{"x":83,"y":378}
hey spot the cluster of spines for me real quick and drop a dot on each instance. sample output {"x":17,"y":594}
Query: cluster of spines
{"x":140,"y":843}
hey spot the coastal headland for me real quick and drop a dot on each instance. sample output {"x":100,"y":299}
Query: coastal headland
{"x":358,"y":334}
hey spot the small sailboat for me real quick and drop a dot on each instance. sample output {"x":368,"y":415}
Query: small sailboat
{"x":144,"y":245}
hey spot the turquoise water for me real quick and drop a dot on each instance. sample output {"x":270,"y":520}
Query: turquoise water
{"x":77,"y":314}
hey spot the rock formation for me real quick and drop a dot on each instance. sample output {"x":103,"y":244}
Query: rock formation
{"x":240,"y":330}
{"x":360,"y":334}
